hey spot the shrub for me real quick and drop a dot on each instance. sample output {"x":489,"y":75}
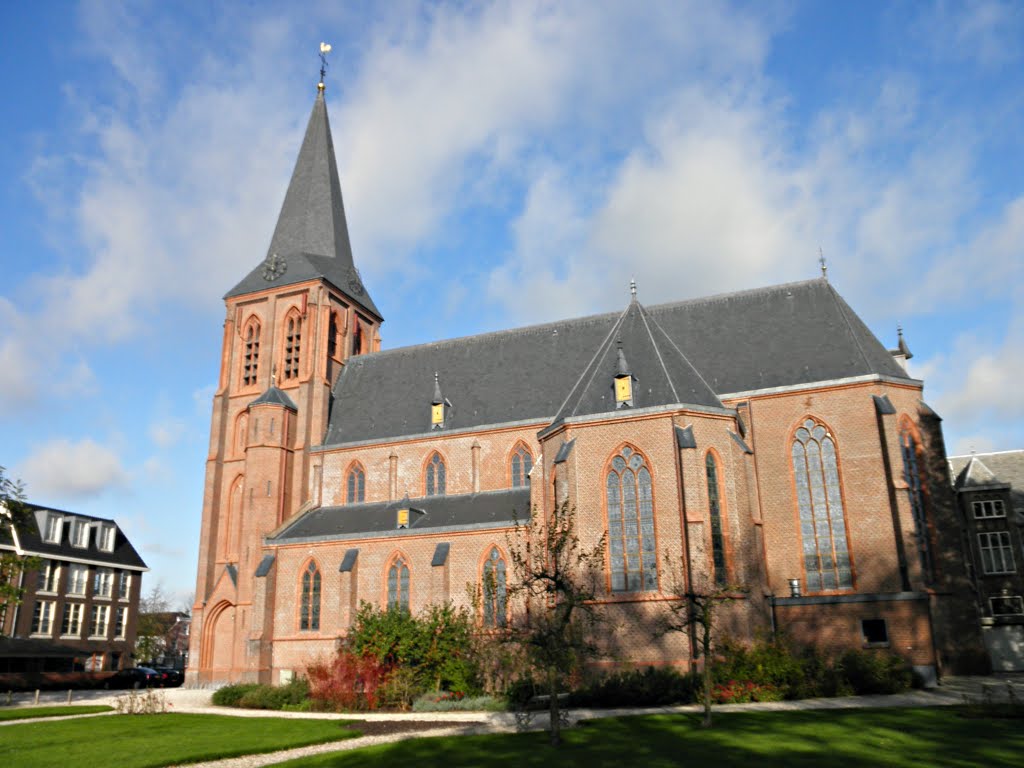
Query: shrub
{"x":454,"y":701}
{"x":349,"y":681}
{"x":874,"y":672}
{"x":292,"y":694}
{"x":735,"y":692}
{"x":768,"y":661}
{"x":230,"y":695}
{"x":649,"y":687}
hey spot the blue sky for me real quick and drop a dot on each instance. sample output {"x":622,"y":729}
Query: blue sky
{"x":502,"y":164}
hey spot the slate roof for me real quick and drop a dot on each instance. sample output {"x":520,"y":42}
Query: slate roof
{"x":667,"y":377}
{"x":784,"y":335}
{"x":31,"y":539}
{"x":981,"y":469}
{"x":311,"y":236}
{"x":498,"y":508}
{"x":275,"y":396}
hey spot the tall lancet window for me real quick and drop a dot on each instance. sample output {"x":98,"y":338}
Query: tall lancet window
{"x":309,"y":616}
{"x":251,"y":354}
{"x":435,"y":485}
{"x":356,"y":484}
{"x":715,"y":514}
{"x":915,"y":489}
{"x":398,"y":584}
{"x":819,"y":497}
{"x":494,"y":590}
{"x":521,"y":464}
{"x":631,"y":547}
{"x":292,"y":347}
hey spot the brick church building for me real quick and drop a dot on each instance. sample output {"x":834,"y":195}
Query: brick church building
{"x":763,"y":438}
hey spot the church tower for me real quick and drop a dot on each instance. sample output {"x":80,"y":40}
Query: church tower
{"x":291,"y":324}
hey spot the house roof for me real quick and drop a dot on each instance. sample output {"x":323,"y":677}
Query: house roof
{"x":427,"y":514}
{"x":275,"y":396}
{"x":784,"y":335}
{"x":31,"y":539}
{"x":980,"y":470}
{"x":311,"y":238}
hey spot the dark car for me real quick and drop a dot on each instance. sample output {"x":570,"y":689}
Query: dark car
{"x":170,"y":677}
{"x":133,"y":677}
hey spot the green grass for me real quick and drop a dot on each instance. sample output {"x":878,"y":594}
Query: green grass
{"x":895,"y":738}
{"x":145,"y":741}
{"x":64,"y":711}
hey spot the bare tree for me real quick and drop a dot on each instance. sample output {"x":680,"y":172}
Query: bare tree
{"x":696,"y":614}
{"x":553,"y":586}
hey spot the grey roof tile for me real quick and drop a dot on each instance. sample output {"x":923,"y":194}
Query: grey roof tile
{"x":441,"y":553}
{"x":264,"y":567}
{"x":311,"y":236}
{"x":502,"y":507}
{"x":275,"y":396}
{"x":348,"y":562}
{"x":785,"y":335}
{"x":980,"y":469}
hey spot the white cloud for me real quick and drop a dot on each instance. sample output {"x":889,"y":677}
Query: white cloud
{"x":73,"y":470}
{"x":166,"y":432}
{"x":989,"y":32}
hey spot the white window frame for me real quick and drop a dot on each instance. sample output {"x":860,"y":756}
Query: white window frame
{"x":120,"y":623}
{"x":79,"y":534}
{"x":54,"y":528}
{"x":124,"y":585}
{"x":996,"y":551}
{"x":78,"y":579}
{"x":42,"y":618}
{"x":49,"y":577}
{"x":988,"y":509}
{"x":103,"y":583}
{"x":1017,"y":598}
{"x":75,"y":612}
{"x":106,"y":538}
{"x":99,"y":622}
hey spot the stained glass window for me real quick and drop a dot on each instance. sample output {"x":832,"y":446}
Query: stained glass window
{"x":398,"y":585}
{"x":356,"y":485}
{"x":522,"y":463}
{"x":631,"y":546}
{"x":912,"y":475}
{"x":494,"y":590}
{"x":309,"y":618}
{"x":435,"y":476}
{"x":822,"y":525}
{"x":715,"y":514}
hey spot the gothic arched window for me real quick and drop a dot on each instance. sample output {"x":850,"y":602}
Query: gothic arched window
{"x":911,"y":449}
{"x":820,"y":500}
{"x":356,"y":485}
{"x":494,"y":590}
{"x":398,"y":584}
{"x":435,"y":485}
{"x":309,"y":616}
{"x":715,"y":515}
{"x":521,"y":464}
{"x":251,"y":353}
{"x":292,"y":346}
{"x":631,"y":547}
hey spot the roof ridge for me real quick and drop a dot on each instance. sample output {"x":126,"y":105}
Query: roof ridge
{"x":849,"y":323}
{"x":986,"y":453}
{"x":657,"y":351}
{"x":682,"y":354}
{"x":592,"y":364}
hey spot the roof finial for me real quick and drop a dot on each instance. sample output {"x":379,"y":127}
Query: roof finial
{"x":821,"y":261}
{"x":325,"y":48}
{"x":632,"y":288}
{"x":438,"y":398}
{"x":273,"y":375}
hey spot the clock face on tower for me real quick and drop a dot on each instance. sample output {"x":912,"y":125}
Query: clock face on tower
{"x":354,"y":283}
{"x":274,"y":267}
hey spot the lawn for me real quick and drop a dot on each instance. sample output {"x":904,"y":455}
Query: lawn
{"x":895,"y":738}
{"x":145,"y":741}
{"x":25,"y":713}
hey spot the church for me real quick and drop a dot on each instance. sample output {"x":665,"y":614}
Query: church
{"x":764,"y":438}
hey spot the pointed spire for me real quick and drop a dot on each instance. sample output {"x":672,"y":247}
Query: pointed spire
{"x":623,"y":366}
{"x":438,"y":399}
{"x":902,"y":344}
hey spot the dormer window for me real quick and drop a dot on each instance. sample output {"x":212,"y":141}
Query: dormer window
{"x":106,"y":538}
{"x":623,"y":382}
{"x":79,"y":534}
{"x":54,"y":525}
{"x":439,"y":406}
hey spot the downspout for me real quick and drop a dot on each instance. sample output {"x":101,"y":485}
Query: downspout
{"x":686,"y":545}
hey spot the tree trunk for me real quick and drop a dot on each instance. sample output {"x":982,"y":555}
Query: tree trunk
{"x":556,"y":735}
{"x":707,"y":676}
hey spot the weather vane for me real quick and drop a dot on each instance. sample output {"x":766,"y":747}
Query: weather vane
{"x":821,"y":260}
{"x":325,"y":48}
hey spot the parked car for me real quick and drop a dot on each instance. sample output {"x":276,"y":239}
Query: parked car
{"x":170,"y":677}
{"x":133,"y":677}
